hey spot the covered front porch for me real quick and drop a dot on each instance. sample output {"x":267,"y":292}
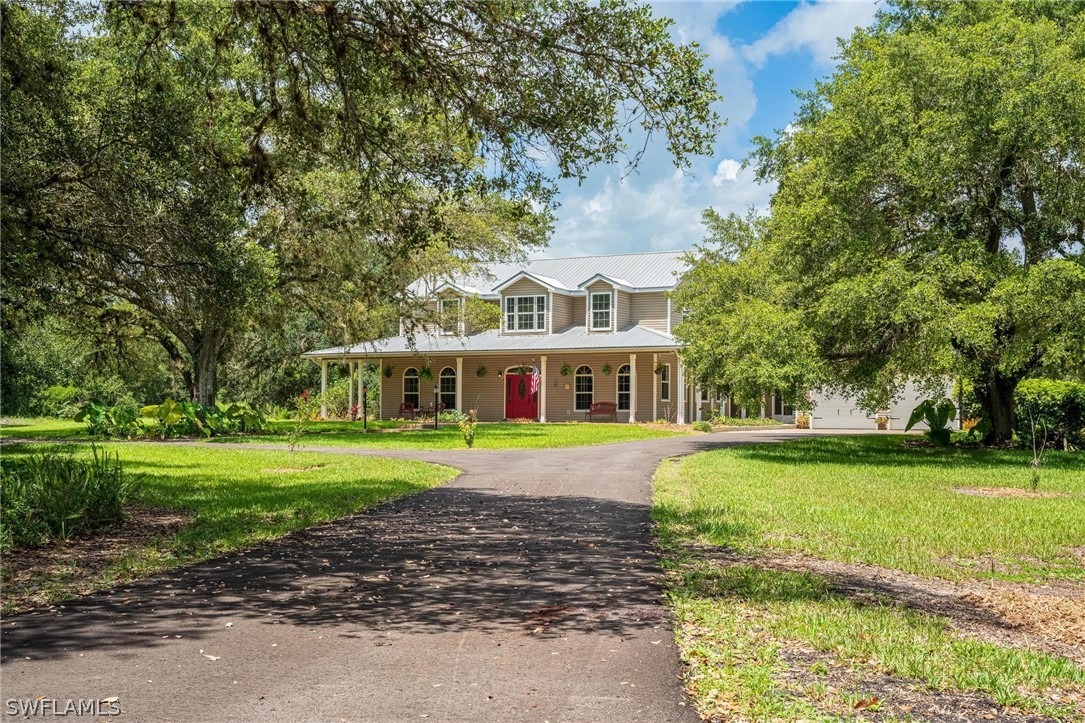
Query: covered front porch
{"x":643,"y":385}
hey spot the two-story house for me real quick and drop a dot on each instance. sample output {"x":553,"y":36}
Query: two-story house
{"x":573,"y":331}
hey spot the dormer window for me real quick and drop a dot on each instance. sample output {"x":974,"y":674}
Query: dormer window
{"x":600,"y":311}
{"x":450,"y":312}
{"x":525,"y":313}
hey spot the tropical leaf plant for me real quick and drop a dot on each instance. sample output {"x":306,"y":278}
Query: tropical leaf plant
{"x":937,"y":414}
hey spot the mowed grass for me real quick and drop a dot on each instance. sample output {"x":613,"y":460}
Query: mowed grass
{"x":43,"y":428}
{"x":496,"y":435}
{"x":239,"y":498}
{"x":870,"y":499}
{"x":764,"y":644}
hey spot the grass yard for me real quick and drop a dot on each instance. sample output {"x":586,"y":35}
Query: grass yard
{"x":197,"y":502}
{"x":42,"y":428}
{"x":801,"y":575}
{"x":496,"y":435}
{"x":349,"y":434}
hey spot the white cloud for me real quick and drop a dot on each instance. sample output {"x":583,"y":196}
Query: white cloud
{"x":662,"y":215}
{"x":811,"y":27}
{"x":657,"y":208}
{"x":727,"y":170}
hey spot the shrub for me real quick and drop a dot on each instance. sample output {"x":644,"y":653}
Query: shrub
{"x":702,"y":426}
{"x":1055,"y":408}
{"x":58,"y":401}
{"x":468,"y":425}
{"x":53,"y":495}
{"x":747,"y":422}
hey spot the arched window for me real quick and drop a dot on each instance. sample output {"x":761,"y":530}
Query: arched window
{"x":624,"y":387}
{"x":448,"y":387}
{"x":410,"y":387}
{"x":584,"y":388}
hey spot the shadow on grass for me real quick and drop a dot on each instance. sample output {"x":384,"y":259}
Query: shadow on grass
{"x":444,"y":560}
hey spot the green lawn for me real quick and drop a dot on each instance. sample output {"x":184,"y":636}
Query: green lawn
{"x":43,"y":428}
{"x":237,"y":498}
{"x":869,"y":500}
{"x":349,"y":434}
{"x":489,"y":436}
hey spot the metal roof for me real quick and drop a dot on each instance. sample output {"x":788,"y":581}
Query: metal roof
{"x":654,"y":270}
{"x":577,"y":338}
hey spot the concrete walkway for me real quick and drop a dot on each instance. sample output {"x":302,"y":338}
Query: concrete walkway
{"x":524,"y":590}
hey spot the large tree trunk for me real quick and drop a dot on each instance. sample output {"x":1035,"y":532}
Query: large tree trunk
{"x":994,"y":391}
{"x":205,"y":358}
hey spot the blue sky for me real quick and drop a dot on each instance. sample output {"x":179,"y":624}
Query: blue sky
{"x":759,"y":51}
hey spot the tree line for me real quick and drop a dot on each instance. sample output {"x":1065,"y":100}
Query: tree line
{"x":928,"y":222}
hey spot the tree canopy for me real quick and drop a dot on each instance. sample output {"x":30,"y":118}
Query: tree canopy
{"x":194,"y":163}
{"x":930,"y":214}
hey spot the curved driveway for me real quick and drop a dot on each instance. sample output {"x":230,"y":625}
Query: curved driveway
{"x":526,"y":589}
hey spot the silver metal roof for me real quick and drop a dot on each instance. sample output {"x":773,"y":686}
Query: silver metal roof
{"x":655,"y":270}
{"x":577,"y":338}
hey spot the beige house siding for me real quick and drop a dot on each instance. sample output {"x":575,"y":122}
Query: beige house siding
{"x":624,"y":301}
{"x":579,"y":311}
{"x":650,"y":310}
{"x":562,"y":313}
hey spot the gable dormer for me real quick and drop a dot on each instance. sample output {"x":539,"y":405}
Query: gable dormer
{"x":527,"y":303}
{"x":608,"y":302}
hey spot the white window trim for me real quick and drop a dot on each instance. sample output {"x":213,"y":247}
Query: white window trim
{"x":403,"y":386}
{"x":610,"y":311}
{"x":590,"y":375}
{"x":505,"y":312}
{"x":441,"y":312}
{"x":618,"y":390}
{"x":441,"y":393}
{"x":668,"y":381}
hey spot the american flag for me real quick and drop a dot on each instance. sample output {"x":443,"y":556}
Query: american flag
{"x":535,"y":380}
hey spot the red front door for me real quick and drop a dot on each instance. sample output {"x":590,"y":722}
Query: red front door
{"x":520,"y":403}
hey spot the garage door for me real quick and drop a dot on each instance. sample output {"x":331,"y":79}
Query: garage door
{"x":837,"y":412}
{"x":833,"y":411}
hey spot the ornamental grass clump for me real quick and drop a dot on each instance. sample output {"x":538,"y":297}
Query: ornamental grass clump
{"x":53,"y":495}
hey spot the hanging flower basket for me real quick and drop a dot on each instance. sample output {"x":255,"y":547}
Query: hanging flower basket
{"x":481,"y":371}
{"x":566,"y":370}
{"x":388,"y":371}
{"x":606,"y":370}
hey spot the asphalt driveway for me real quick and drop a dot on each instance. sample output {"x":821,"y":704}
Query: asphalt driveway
{"x":524,"y":590}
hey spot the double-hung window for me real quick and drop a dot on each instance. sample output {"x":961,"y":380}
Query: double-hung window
{"x":450,"y":312}
{"x":525,"y":313}
{"x":665,"y":383}
{"x":600,"y":311}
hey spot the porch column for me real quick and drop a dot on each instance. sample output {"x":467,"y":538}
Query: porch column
{"x":680,"y":418}
{"x":655,"y":388}
{"x":697,"y":400}
{"x":632,"y":388}
{"x":350,"y":387}
{"x":542,"y":389}
{"x":459,"y":382}
{"x":361,"y":383}
{"x":323,"y":388}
